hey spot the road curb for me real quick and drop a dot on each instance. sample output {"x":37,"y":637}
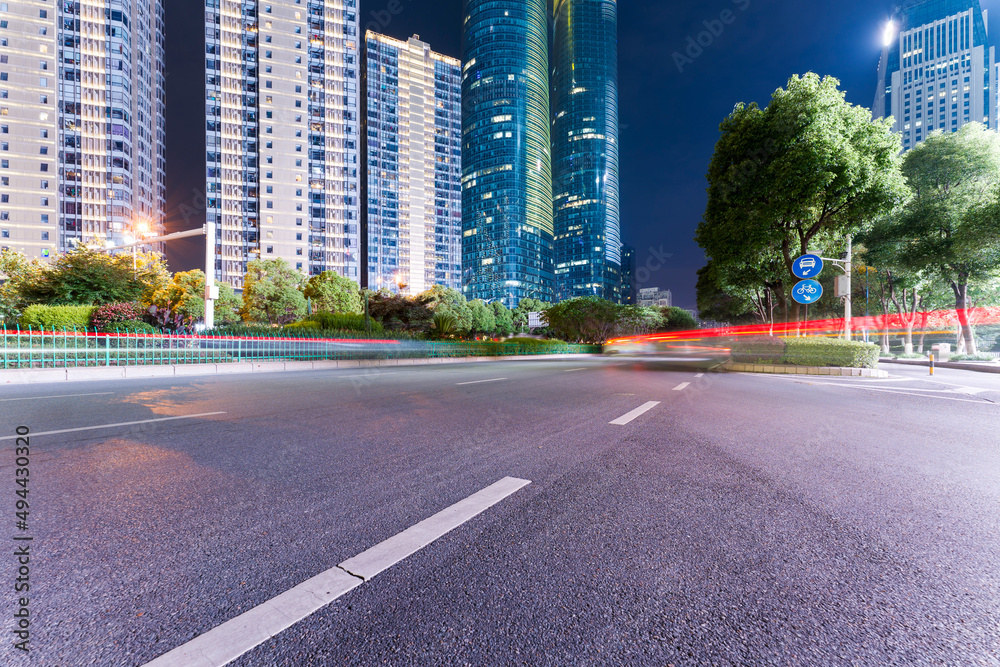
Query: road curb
{"x":801,"y":370}
{"x":977,"y":367}
{"x":39,"y":375}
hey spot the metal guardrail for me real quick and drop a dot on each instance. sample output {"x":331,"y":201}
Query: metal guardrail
{"x":73,"y":349}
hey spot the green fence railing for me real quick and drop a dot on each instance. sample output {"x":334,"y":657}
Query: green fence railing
{"x":33,"y":348}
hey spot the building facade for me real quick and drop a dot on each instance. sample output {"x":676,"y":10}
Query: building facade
{"x":507,"y":229}
{"x":938,"y":70}
{"x":81,"y":123}
{"x":629,"y":288}
{"x":655,"y":297}
{"x":412,"y":222}
{"x":283,"y":135}
{"x":585,"y":149}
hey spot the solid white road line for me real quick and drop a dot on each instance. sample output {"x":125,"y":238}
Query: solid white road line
{"x":573,"y":370}
{"x":38,"y":398}
{"x":682,"y":386}
{"x":382,"y":556}
{"x":626,"y":418}
{"x":459,"y":384}
{"x":235,"y":637}
{"x":91,"y":428}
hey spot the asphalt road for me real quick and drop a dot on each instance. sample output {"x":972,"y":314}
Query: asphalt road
{"x":742,"y":520}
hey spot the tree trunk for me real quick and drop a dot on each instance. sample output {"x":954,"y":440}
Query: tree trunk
{"x":924,"y":316}
{"x":966,"y":331}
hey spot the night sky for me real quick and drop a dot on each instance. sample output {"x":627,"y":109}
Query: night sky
{"x":669,"y":118}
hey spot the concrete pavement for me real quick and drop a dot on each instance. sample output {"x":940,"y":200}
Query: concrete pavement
{"x":741,"y":519}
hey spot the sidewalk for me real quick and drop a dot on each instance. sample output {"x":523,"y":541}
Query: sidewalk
{"x":36,"y":375}
{"x":978,"y":366}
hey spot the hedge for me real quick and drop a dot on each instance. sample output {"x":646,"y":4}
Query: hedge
{"x":806,"y":352}
{"x":130,"y":326}
{"x":338,"y":322}
{"x":38,"y":316}
{"x":759,"y":350}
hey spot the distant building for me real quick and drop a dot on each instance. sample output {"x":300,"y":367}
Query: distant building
{"x":585,"y":149}
{"x":283,"y":140}
{"x":81,"y":123}
{"x":507,"y":230}
{"x":629,"y":289}
{"x":938,"y":70}
{"x":654,"y":296}
{"x":413,"y":164}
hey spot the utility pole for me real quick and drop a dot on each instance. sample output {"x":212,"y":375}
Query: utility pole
{"x":211,"y":290}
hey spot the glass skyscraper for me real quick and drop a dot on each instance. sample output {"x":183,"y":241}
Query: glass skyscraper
{"x":283,"y":140}
{"x":938,"y":70}
{"x":412,"y":223}
{"x":585,"y":149}
{"x":507,"y":226}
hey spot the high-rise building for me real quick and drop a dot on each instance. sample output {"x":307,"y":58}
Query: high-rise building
{"x":629,"y":288}
{"x":506,"y":162}
{"x":585,"y":148}
{"x":283,"y":141}
{"x":938,"y":70}
{"x":81,"y":123}
{"x":412,"y":223}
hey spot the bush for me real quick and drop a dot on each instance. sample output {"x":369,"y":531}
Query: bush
{"x":343,"y":322}
{"x":830,"y":352}
{"x":130,"y":326}
{"x":110,"y":313}
{"x":972,"y":357}
{"x":538,"y":343}
{"x":38,"y":316}
{"x":759,"y":350}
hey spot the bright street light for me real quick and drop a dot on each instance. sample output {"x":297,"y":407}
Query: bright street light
{"x":889,"y":36}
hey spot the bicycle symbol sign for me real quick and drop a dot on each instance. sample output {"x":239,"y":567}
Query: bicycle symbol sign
{"x":807,"y":291}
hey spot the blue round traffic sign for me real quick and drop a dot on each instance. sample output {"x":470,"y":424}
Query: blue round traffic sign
{"x":807,"y":266}
{"x":807,"y":291}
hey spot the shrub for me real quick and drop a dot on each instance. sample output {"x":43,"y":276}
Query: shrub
{"x":759,"y":350}
{"x":304,"y":325}
{"x":110,"y":313}
{"x":545,"y":343}
{"x":343,"y":322}
{"x":830,"y":352}
{"x":38,"y":316}
{"x":972,"y":357}
{"x":130,"y":326}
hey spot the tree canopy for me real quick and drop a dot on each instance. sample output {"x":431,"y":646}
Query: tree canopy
{"x":332,"y":293}
{"x":808,"y":169}
{"x":272,"y":292}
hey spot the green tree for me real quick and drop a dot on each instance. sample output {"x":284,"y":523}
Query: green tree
{"x":678,"y":319}
{"x":89,"y":277}
{"x":809,"y":169}
{"x":18,"y":275}
{"x":447,"y":300}
{"x":504,"y":318}
{"x":587,"y":319}
{"x":184,"y":296}
{"x":401,"y":313}
{"x":950,"y":225}
{"x":272,"y":292}
{"x":637,"y":320}
{"x":332,"y":293}
{"x":526,"y":306}
{"x":481,"y":318}
{"x":738,"y":294}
